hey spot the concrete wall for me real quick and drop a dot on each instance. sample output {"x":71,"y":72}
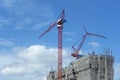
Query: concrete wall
{"x":90,"y":67}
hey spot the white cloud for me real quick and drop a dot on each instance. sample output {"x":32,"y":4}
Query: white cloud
{"x":117,"y":71}
{"x":6,"y":59}
{"x":35,"y":52}
{"x":69,"y":39}
{"x":23,"y":7}
{"x":4,"y":21}
{"x":7,"y":3}
{"x":6,"y":43}
{"x":22,"y":23}
{"x":40,"y":25}
{"x":10,"y":70}
{"x":93,"y":44}
{"x":26,"y":13}
{"x":69,"y":33}
{"x":21,"y":69}
{"x":34,"y":62}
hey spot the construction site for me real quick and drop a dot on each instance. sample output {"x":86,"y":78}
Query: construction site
{"x":92,"y":66}
{"x":89,"y":67}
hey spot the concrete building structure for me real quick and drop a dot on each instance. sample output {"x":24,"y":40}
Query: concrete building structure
{"x":89,"y":67}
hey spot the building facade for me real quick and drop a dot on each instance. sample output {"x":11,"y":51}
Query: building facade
{"x":89,"y":67}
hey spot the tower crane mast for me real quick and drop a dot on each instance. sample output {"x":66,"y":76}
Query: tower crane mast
{"x":76,"y":51}
{"x":59,"y":23}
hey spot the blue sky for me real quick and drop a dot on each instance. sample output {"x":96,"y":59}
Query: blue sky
{"x":22,"y":21}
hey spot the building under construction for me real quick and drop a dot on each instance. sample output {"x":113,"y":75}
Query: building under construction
{"x":89,"y":67}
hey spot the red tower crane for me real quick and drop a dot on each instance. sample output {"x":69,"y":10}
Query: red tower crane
{"x":76,"y":51}
{"x":59,"y":24}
